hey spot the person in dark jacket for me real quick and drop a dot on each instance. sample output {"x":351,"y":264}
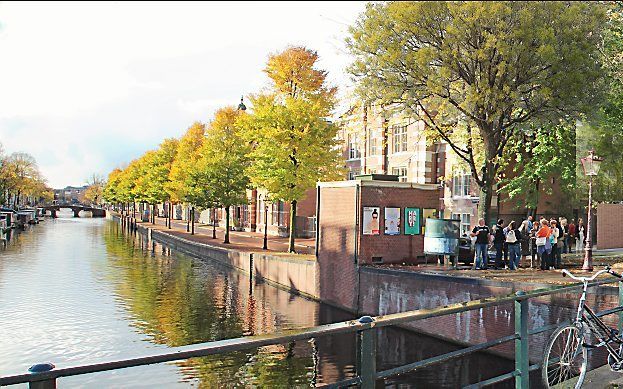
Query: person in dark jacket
{"x":498,"y":242}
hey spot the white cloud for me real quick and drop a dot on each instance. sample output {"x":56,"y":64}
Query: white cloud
{"x":86,"y":87}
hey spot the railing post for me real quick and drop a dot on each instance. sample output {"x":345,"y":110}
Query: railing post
{"x":620,"y":326}
{"x":366,"y":355}
{"x":522,"y":361}
{"x":43,"y":384}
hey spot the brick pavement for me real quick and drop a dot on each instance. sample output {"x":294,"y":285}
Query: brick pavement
{"x":239,"y":240}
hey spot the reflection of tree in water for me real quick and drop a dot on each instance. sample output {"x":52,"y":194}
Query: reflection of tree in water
{"x":178,"y":301}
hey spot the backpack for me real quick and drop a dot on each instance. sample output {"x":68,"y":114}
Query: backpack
{"x":510,"y":237}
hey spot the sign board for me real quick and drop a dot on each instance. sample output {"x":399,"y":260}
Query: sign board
{"x":442,"y":237}
{"x":412,"y":221}
{"x":392,"y":221}
{"x":371,"y":217}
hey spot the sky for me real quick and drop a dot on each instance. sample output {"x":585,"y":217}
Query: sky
{"x":87,"y":87}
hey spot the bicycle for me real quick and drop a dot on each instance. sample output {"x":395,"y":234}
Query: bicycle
{"x":566,"y":353}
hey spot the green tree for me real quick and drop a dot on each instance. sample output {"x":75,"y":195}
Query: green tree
{"x":294,"y":142}
{"x":540,"y":153}
{"x":603,"y":130}
{"x":219,"y":176}
{"x":476,"y":72}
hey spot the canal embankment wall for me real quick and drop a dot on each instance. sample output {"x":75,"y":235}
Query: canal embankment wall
{"x":376,"y":291}
{"x":297,"y":275}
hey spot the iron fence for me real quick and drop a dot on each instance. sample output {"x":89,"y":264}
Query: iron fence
{"x":365,"y":328}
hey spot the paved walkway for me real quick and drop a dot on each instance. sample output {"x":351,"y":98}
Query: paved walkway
{"x":602,"y":377}
{"x":239,"y":240}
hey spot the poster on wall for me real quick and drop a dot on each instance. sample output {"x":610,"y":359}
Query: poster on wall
{"x":371,"y":224}
{"x":392,"y":221}
{"x":428,"y":213}
{"x":412,"y":221}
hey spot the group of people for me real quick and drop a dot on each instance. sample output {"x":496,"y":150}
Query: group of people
{"x":544,"y":241}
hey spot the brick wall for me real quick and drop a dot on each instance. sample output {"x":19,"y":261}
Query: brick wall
{"x":336,"y":246}
{"x":386,"y":291}
{"x":609,"y":226}
{"x":394,"y":248}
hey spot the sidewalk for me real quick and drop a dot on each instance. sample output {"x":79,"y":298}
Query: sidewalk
{"x":239,"y":240}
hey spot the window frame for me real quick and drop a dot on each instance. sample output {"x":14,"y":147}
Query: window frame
{"x":399,"y":138}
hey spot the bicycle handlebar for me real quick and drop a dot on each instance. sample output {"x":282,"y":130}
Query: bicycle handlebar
{"x":608,"y":270}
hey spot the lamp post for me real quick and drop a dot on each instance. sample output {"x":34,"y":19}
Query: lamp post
{"x":591,"y":166}
{"x":265,"y":246}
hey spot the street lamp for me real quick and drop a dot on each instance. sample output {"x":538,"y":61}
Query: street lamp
{"x":591,"y":168}
{"x":241,"y":106}
{"x":263,"y":199}
{"x":265,"y":246}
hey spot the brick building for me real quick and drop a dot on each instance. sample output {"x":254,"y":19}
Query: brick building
{"x":377,"y":140}
{"x":344,"y":240}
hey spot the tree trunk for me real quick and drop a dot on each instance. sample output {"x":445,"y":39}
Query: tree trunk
{"x":226,"y":225}
{"x":213,"y":223}
{"x":536,"y":203}
{"x":486,"y":192}
{"x":170,"y":209}
{"x":192,"y":221}
{"x":187,"y":219}
{"x":489,"y":171}
{"x":153,"y":214}
{"x":292,"y":226}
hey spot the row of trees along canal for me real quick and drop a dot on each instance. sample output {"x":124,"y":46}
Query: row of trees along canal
{"x":516,"y":89}
{"x":21,"y":182}
{"x":284,"y":146}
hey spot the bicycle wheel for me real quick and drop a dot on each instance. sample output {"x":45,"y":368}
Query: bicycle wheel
{"x":564,"y":361}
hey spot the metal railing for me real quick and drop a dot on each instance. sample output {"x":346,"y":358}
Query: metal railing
{"x":365,"y":328}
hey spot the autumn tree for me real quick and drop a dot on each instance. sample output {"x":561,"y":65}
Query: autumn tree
{"x":186,"y":157}
{"x":294,"y":142}
{"x":21,"y":175}
{"x":475,"y":72}
{"x":95,"y":189}
{"x":111,"y":189}
{"x":127,"y":183}
{"x":154,"y":171}
{"x":219,"y":177}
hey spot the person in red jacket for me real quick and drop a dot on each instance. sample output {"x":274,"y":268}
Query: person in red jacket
{"x":571,"y":234}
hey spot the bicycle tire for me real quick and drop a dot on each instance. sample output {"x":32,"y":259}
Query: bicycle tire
{"x":558,"y":370}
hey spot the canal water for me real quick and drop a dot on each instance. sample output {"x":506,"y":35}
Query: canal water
{"x":76,"y":290}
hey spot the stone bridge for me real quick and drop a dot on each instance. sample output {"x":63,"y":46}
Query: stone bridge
{"x":76,"y":208}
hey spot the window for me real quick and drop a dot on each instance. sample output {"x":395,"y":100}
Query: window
{"x":401,"y":172}
{"x":373,"y":146}
{"x":353,"y":173}
{"x":460,"y":184}
{"x":465,"y":219}
{"x":353,"y":146}
{"x":278,"y":215}
{"x":399,"y":136}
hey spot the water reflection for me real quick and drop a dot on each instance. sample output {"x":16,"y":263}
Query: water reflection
{"x":76,"y":291}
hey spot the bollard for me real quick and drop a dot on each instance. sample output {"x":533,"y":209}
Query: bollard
{"x":366,"y":355}
{"x":49,"y":383}
{"x":522,"y":362}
